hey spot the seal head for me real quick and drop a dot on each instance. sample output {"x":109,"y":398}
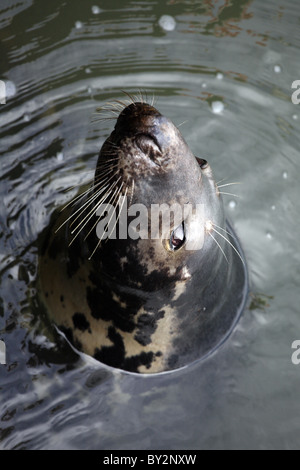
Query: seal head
{"x":152,"y":281}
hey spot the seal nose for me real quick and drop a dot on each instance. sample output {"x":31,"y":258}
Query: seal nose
{"x":140,"y":121}
{"x":136,"y":116}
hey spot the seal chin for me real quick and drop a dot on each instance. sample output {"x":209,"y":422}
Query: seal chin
{"x":167,"y":296}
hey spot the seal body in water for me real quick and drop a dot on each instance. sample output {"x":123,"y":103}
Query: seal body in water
{"x":148,"y":302}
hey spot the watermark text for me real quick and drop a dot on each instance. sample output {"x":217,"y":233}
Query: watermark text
{"x":296,"y":354}
{"x":296,"y":94}
{"x":2,"y":352}
{"x":2,"y":92}
{"x":159,"y":221}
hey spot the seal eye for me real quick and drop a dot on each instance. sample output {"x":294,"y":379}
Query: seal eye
{"x":177,"y":237}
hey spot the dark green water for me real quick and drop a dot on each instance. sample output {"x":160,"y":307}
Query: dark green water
{"x":224,"y":74}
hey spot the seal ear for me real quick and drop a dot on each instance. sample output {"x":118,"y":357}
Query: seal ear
{"x":202,"y":163}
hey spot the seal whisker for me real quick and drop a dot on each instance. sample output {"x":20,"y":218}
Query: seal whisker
{"x":232,"y":246}
{"x":101,"y":113}
{"x":90,"y":189}
{"x":101,"y":181}
{"x":229,"y":194}
{"x":88,"y":202}
{"x":226,"y":231}
{"x":82,"y":195}
{"x":106,"y":162}
{"x":100,"y":240}
{"x":92,"y":212}
{"x":219,"y":246}
{"x":117,"y":219}
{"x":111,"y":199}
{"x":83,"y":172}
{"x":88,"y":216}
{"x":223,"y":179}
{"x":79,"y":196}
{"x":132,"y":99}
{"x":113,"y":107}
{"x":102,"y":119}
{"x":181,"y":124}
{"x":98,"y":204}
{"x":105,"y":170}
{"x":154,"y":100}
{"x":124,"y":104}
{"x":228,"y":184}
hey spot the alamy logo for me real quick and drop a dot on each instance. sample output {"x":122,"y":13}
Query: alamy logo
{"x":296,"y":94}
{"x":296,"y":354}
{"x":158,"y":221}
{"x":2,"y":352}
{"x":2,"y":92}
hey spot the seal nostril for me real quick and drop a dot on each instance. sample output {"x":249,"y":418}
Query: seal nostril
{"x":148,"y":146}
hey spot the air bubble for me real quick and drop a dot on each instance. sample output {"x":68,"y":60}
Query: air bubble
{"x":295,"y":117}
{"x":277,"y":68}
{"x":78,"y":24}
{"x":167,"y":23}
{"x":284,"y":175}
{"x":96,"y":10}
{"x":59,"y":156}
{"x":232,"y":204}
{"x":217,"y":107}
{"x":219,"y":76}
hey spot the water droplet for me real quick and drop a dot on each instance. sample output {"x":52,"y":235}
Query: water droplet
{"x":59,"y":156}
{"x":219,"y":76}
{"x":96,"y":10}
{"x":78,"y":24}
{"x":232,"y":204}
{"x":295,"y":117}
{"x":89,"y":90}
{"x":284,"y":175}
{"x":88,"y":70}
{"x":269,"y":236}
{"x":204,"y":85}
{"x":273,"y":208}
{"x":167,"y":23}
{"x":26,"y":117}
{"x":217,"y":107}
{"x":277,"y":68}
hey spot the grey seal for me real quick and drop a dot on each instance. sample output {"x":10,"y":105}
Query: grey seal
{"x":145,"y":305}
